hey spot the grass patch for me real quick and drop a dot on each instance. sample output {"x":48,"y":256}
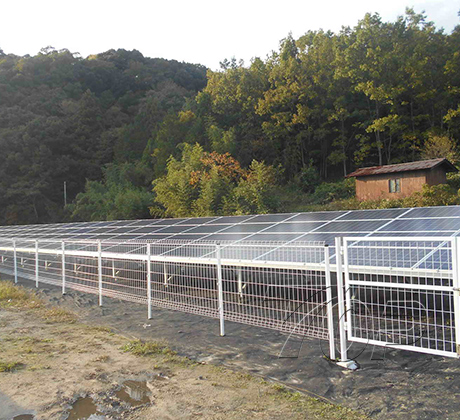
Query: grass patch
{"x":156,"y":348}
{"x":318,"y":409}
{"x":101,"y":329}
{"x":149,"y":348}
{"x":12,"y":295}
{"x":34,"y":368}
{"x":10,"y":366}
{"x":58,"y":315}
{"x":27,"y":339}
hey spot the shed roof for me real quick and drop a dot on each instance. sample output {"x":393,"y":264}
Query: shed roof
{"x":403,"y":167}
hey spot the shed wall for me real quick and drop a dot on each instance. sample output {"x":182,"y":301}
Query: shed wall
{"x":377,"y":186}
{"x":436,"y":176}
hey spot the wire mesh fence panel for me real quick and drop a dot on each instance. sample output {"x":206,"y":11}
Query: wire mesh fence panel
{"x":287,"y":300}
{"x":7,"y":258}
{"x":276,"y":251}
{"x":49,"y":262}
{"x":187,"y":287}
{"x":183,"y":248}
{"x":124,"y":279}
{"x":25,"y":258}
{"x":81,"y":266}
{"x":401,"y":293}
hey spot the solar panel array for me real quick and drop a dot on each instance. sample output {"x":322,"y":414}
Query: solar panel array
{"x":290,"y":227}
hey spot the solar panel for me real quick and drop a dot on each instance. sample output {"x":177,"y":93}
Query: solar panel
{"x":433,"y":212}
{"x":289,"y":227}
{"x":373,"y":214}
{"x":363,"y":226}
{"x":423,"y":225}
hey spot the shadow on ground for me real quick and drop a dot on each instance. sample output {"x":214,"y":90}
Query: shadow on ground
{"x":9,"y":409}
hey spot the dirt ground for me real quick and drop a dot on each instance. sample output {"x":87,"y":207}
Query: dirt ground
{"x":390,"y":384}
{"x":53,"y":366}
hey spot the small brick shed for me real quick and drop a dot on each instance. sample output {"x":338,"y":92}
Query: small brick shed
{"x":400,"y":180}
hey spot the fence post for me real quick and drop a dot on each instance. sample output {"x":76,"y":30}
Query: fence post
{"x":341,"y":300}
{"x":36,"y":263}
{"x":149,"y":283}
{"x":456,"y":287}
{"x":63,"y":267}
{"x":99,"y":269}
{"x":330,"y":313}
{"x":15,"y":262}
{"x":220,"y":290}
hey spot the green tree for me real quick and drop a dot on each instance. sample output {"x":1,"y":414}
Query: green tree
{"x":117,"y":197}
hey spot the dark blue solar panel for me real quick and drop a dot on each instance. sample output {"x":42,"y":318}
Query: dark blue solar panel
{"x":208,"y":228}
{"x":320,"y":216}
{"x":197,"y":220}
{"x":423,"y":225}
{"x":169,"y":222}
{"x":294,"y":227}
{"x":364,"y":226}
{"x":151,"y":222}
{"x":247,"y":228}
{"x":325,"y":226}
{"x":146,"y":229}
{"x":433,"y":212}
{"x":273,"y":237}
{"x":269,"y":218}
{"x":374,"y":214}
{"x":230,"y":220}
{"x":173,"y":229}
{"x":153,"y":237}
{"x":126,"y":229}
{"x":190,"y":237}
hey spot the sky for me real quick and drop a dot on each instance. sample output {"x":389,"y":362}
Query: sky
{"x":196,"y":31}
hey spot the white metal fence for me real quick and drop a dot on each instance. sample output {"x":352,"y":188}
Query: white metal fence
{"x":282,"y":286}
{"x":398,"y":292}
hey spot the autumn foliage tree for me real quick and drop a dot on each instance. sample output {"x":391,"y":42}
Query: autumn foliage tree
{"x":209,"y":183}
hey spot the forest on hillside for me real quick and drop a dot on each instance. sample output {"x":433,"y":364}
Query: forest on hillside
{"x":147,"y":137}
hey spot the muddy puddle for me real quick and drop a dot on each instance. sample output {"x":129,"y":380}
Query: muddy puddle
{"x":82,"y":409}
{"x":24,"y":417}
{"x":134,"y":393}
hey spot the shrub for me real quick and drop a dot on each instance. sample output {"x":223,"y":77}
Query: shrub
{"x":308,"y":179}
{"x":435,"y":195}
{"x":331,"y":191}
